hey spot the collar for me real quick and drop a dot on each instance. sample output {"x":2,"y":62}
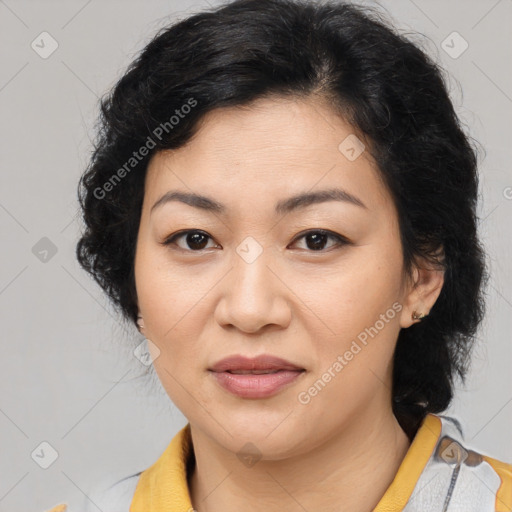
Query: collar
{"x":163,"y":486}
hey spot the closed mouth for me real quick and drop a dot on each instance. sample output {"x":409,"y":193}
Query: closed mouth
{"x":256,"y":372}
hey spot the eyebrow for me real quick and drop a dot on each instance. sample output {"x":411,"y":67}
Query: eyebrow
{"x":282,"y":207}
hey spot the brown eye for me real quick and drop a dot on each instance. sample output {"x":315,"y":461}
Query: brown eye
{"x":194,"y":240}
{"x":316,"y":240}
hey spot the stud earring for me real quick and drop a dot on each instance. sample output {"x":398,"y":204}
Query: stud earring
{"x":416,"y":316}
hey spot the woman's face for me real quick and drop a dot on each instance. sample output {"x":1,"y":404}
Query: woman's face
{"x":256,"y":277}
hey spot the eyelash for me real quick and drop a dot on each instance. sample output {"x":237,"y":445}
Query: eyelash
{"x":341,"y":241}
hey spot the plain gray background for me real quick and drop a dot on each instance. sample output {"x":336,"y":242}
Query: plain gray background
{"x":68,"y":374}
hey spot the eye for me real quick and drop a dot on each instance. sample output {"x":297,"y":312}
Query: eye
{"x":316,"y":239}
{"x":195,"y":239}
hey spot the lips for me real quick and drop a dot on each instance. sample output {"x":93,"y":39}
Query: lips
{"x":252,"y":372}
{"x":255,"y":378}
{"x":263,"y":364}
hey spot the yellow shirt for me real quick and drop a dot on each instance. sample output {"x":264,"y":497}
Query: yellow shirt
{"x":437,"y":471}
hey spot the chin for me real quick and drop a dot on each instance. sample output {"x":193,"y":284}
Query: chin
{"x":270,"y":437}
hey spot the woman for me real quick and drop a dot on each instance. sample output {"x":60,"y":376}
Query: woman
{"x":283,"y":201}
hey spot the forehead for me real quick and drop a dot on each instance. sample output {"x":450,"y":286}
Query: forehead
{"x":272,"y":148}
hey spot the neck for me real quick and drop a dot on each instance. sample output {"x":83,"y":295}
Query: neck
{"x":353,"y":468}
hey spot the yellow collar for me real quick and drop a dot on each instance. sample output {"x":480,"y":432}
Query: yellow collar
{"x":163,"y":486}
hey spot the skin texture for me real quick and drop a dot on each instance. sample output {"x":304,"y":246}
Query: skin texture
{"x":343,"y":448}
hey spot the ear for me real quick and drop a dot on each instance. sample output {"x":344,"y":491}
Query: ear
{"x":140,"y":324}
{"x":422,"y":290}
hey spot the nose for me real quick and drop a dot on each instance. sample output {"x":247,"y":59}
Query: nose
{"x":255,"y":296}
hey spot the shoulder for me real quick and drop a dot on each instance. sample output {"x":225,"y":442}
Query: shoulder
{"x":458,"y":475}
{"x":116,"y":497}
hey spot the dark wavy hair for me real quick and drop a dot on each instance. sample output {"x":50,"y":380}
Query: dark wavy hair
{"x":378,"y":80}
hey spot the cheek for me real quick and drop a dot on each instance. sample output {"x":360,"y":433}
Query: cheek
{"x":357,"y":306}
{"x":170,"y":308}
{"x":167,"y":295}
{"x":353,"y":298}
{"x":359,"y":320}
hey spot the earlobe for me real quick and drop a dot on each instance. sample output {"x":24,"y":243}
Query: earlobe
{"x":140,"y":323}
{"x":425,"y":290}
